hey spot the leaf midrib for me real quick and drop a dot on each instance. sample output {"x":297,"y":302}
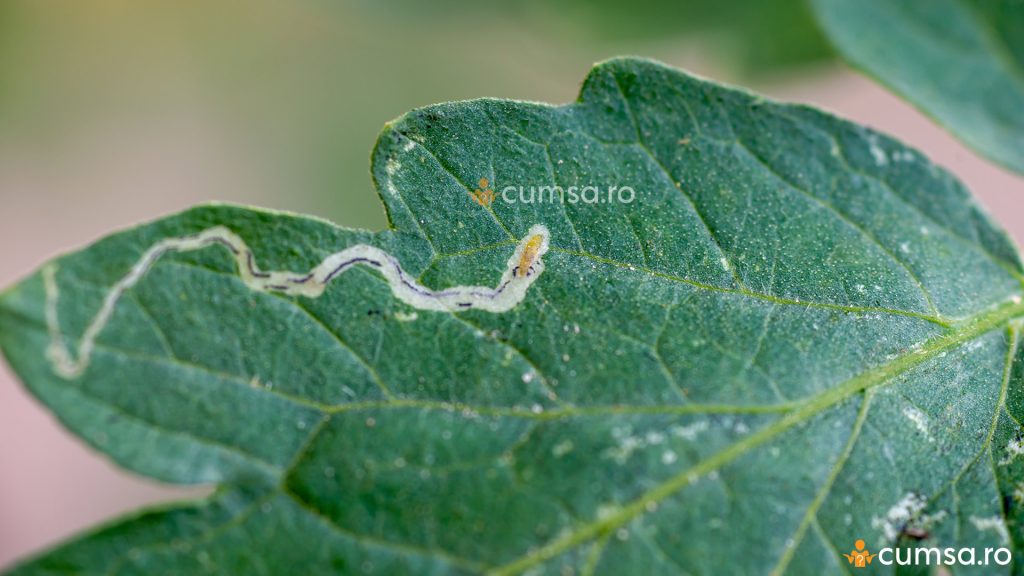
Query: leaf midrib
{"x":826,"y":488}
{"x":978,"y":326}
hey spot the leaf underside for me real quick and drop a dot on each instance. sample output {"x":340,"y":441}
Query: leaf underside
{"x":960,"y":61}
{"x":799,"y":329}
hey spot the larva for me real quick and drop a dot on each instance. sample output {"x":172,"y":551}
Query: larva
{"x":531,"y":251}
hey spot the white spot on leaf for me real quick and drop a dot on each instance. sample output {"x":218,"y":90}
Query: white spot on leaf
{"x":994,"y":523}
{"x":1014,"y":448}
{"x":920,"y":420}
{"x":898,"y":515}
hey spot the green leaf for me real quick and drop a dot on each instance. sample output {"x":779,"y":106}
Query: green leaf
{"x":781,"y":346}
{"x":959,"y":61}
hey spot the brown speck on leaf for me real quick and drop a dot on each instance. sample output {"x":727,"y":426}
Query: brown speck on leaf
{"x":915,"y":532}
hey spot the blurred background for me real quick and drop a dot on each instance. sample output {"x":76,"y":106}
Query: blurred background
{"x":117,"y":111}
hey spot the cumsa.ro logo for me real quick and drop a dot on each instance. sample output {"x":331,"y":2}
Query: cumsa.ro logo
{"x":483,"y":195}
{"x":859,"y":556}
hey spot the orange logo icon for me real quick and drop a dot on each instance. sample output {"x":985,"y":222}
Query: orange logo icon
{"x":860,"y":557}
{"x":483,"y":195}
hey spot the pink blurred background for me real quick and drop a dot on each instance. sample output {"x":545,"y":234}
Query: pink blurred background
{"x":113,"y":112}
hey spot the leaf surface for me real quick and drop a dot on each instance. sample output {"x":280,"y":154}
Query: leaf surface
{"x":777,"y":347}
{"x":959,"y":61}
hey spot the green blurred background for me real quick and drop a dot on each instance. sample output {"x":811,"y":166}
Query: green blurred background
{"x":116,"y":111}
{"x":285,"y":99}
